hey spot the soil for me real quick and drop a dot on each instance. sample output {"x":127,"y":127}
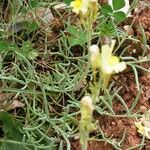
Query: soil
{"x":115,"y":127}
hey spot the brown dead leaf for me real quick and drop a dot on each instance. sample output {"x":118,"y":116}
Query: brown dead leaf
{"x":15,"y":104}
{"x":8,"y":102}
{"x":148,"y":93}
{"x":6,"y":99}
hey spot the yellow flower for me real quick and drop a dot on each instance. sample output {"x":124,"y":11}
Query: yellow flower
{"x":105,"y":62}
{"x":145,"y":131}
{"x":140,"y":127}
{"x":87,"y":107}
{"x":109,"y":63}
{"x":95,"y":57}
{"x":80,"y":5}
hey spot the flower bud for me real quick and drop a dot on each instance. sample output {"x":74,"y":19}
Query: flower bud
{"x":86,"y":125}
{"x":86,"y":108}
{"x":94,"y":57}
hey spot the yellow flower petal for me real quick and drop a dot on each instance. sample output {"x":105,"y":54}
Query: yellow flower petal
{"x":119,"y":67}
{"x":106,"y":59}
{"x":142,"y":129}
{"x":114,"y":60}
{"x":109,"y":62}
{"x":80,"y":5}
{"x":77,"y":4}
{"x":94,"y":57}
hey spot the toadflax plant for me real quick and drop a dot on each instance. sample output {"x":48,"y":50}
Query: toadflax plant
{"x":103,"y":63}
{"x":86,"y":125}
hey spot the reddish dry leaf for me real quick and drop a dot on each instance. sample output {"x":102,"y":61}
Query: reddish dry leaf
{"x":148,"y":93}
{"x":15,"y":104}
{"x":7,"y":101}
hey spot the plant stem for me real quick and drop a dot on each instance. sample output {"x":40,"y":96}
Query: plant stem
{"x":84,"y":146}
{"x":89,"y":38}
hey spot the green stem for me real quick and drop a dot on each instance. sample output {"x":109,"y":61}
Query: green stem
{"x":84,"y":146}
{"x":86,"y":127}
{"x":89,"y":38}
{"x":84,"y":136}
{"x":89,"y":45}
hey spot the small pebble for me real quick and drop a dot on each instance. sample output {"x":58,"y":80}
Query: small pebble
{"x":148,"y":93}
